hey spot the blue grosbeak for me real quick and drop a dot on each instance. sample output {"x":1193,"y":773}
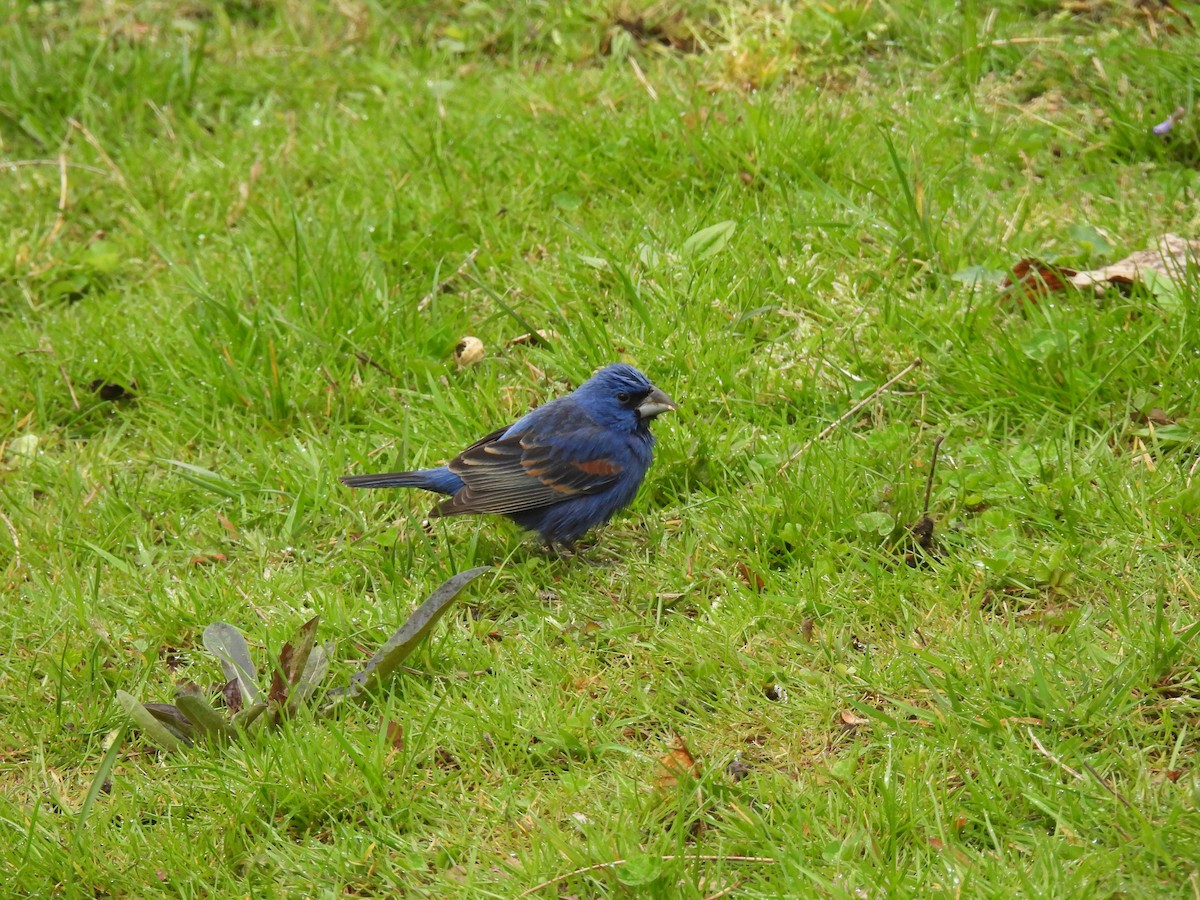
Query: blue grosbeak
{"x":559,"y":470}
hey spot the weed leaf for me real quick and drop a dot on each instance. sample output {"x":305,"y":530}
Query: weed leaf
{"x":227,"y":644}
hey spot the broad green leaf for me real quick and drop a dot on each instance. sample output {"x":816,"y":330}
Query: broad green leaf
{"x":404,"y":641}
{"x":174,"y":720}
{"x":977,"y":276}
{"x":98,"y":780}
{"x":227,"y":644}
{"x":293,"y":660}
{"x":249,"y":716}
{"x":205,"y":478}
{"x":1090,"y":239}
{"x":710,"y":240}
{"x":1043,"y":344}
{"x":639,"y":871}
{"x":1170,"y":294}
{"x":875,"y":523}
{"x":209,"y":723}
{"x":103,"y":257}
{"x":151,"y":728}
{"x":115,"y":561}
{"x":310,"y":679}
{"x":649,"y":256}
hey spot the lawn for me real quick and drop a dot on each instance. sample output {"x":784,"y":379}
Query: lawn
{"x":242,"y":242}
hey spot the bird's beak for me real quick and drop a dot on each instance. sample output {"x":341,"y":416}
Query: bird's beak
{"x":656,"y":403}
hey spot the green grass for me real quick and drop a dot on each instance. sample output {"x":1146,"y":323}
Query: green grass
{"x":231,"y":208}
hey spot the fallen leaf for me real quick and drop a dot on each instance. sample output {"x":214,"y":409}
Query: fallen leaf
{"x":395,"y":734}
{"x":752,"y":578}
{"x":676,"y":762}
{"x":1170,"y":258}
{"x":207,"y":559}
{"x":232,"y":695}
{"x":228,"y":526}
{"x":851,"y":719}
{"x":541,"y":336}
{"x":1031,"y":279}
{"x":710,"y":240}
{"x":1154,"y":416}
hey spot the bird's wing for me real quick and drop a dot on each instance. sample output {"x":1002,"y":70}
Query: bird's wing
{"x":539,"y":466}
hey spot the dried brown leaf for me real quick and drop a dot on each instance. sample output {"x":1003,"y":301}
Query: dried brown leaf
{"x":851,"y":719}
{"x":1170,"y":258}
{"x":541,"y":336}
{"x":676,"y":763}
{"x":1032,"y":279}
{"x":752,"y":578}
{"x":232,"y":695}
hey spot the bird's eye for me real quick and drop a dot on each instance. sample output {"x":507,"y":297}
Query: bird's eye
{"x":622,"y":396}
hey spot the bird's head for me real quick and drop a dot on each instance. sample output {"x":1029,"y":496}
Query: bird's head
{"x":620,"y":395}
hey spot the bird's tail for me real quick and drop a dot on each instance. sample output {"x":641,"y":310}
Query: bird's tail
{"x":441,"y":480}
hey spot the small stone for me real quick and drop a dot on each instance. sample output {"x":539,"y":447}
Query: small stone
{"x":22,"y":450}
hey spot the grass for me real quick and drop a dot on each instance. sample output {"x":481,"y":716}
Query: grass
{"x":235,"y":210}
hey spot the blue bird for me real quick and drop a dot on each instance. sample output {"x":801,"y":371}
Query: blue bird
{"x":560,"y":469}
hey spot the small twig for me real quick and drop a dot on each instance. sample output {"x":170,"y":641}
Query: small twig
{"x":999,"y":42}
{"x":62,"y":370}
{"x":727,"y":891}
{"x":932,"y":468}
{"x":366,"y":360}
{"x":24,"y":163}
{"x":113,"y":169}
{"x":1050,"y":756}
{"x":641,"y":77}
{"x":16,"y":540}
{"x":1112,"y":790}
{"x":458,"y":676}
{"x":445,"y":283}
{"x":61,"y":217}
{"x":612,"y":864}
{"x":829,"y":429}
{"x":1192,"y":472}
{"x":381,"y":448}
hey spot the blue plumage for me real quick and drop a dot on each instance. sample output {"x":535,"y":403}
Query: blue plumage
{"x":559,"y":470}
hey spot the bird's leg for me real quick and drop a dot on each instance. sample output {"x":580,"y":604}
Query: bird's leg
{"x":565,"y":551}
{"x":580,"y":553}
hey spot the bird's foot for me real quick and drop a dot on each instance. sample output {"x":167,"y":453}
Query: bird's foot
{"x":567,"y":550}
